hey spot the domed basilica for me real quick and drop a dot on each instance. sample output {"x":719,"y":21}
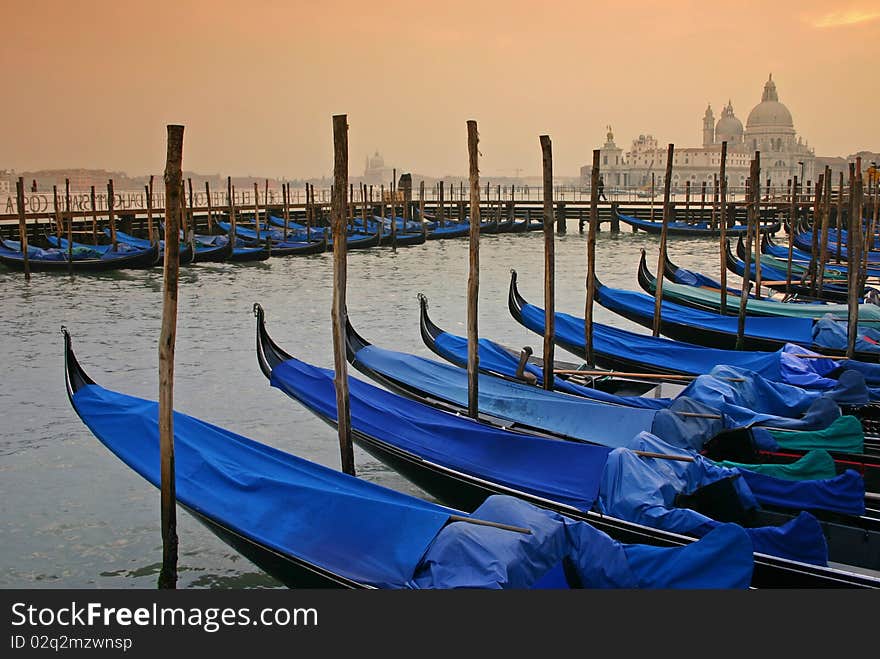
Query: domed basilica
{"x":769,"y":129}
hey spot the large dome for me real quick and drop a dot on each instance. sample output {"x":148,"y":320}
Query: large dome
{"x":728,"y":127}
{"x":770,"y":112}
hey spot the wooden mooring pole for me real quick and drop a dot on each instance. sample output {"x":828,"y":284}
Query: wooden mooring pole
{"x":791,"y":231}
{"x":473,"y":285}
{"x":823,"y":238}
{"x":111,"y":202}
{"x":853,"y":247}
{"x":722,"y":225}
{"x":95,"y":216}
{"x":210,"y":208}
{"x":752,"y":205}
{"x":22,"y":227}
{"x":167,"y":338}
{"x":151,"y":234}
{"x":69,"y":226}
{"x":661,"y":261}
{"x":549,"y":262}
{"x":591,"y":258}
{"x":340,"y":274}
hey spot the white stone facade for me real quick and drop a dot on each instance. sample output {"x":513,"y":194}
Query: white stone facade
{"x":769,"y":129}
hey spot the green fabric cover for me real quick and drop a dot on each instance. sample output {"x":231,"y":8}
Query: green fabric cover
{"x":815,"y":465}
{"x":682,"y":292}
{"x":845,"y":434}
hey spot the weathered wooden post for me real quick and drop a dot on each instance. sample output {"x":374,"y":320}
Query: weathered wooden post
{"x":67,"y":210}
{"x":266,"y":212}
{"x":793,"y":212}
{"x":702,"y":201}
{"x":230,"y":200}
{"x":210,"y":205}
{"x":59,"y":229}
{"x":189,"y":233}
{"x":257,"y":210}
{"x":840,"y":225}
{"x":722,"y":224}
{"x":93,"y":199}
{"x":752,"y":209}
{"x":422,"y":202}
{"x":853,"y":247}
{"x":815,"y":230}
{"x":823,"y":238}
{"x":591,"y":258}
{"x":473,"y":286}
{"x":661,"y":263}
{"x":687,"y":201}
{"x":111,"y":202}
{"x":340,"y":275}
{"x":167,"y":337}
{"x":714,"y":216}
{"x":406,"y":189}
{"x":652,"y":200}
{"x":549,"y":262}
{"x":22,"y":227}
{"x":442,"y":207}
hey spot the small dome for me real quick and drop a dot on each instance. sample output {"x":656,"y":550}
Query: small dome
{"x":728,"y":128}
{"x":770,"y":112}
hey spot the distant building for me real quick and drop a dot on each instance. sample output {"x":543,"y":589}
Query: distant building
{"x":7,"y":182}
{"x":375,"y":171}
{"x":769,"y":129}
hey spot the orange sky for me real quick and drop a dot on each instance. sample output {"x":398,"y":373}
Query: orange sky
{"x":93,"y":83}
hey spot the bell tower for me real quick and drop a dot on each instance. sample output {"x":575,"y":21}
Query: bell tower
{"x":708,"y":127}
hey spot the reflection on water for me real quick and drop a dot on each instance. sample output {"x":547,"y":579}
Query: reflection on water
{"x":74,"y":516}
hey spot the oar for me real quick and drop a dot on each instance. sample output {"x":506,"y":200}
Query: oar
{"x":484,"y":522}
{"x":646,"y":376}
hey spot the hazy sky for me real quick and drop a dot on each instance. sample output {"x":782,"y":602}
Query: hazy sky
{"x":93,"y":83}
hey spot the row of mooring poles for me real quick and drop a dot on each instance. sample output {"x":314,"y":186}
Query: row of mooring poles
{"x":661,"y":259}
{"x":722,"y":224}
{"x":752,"y":202}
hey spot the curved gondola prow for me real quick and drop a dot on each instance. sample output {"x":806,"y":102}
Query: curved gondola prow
{"x":269,"y":354}
{"x":646,"y":280}
{"x":515,"y":301}
{"x":75,"y":377}
{"x":669,"y":269}
{"x":354,"y":342}
{"x":741,"y":249}
{"x":427,"y":328}
{"x":732,"y":262}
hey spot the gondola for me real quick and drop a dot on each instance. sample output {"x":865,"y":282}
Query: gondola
{"x":705,"y":328}
{"x":276,"y":246}
{"x":84,"y":260}
{"x":774,"y":275}
{"x":803,"y":258}
{"x":804,"y":241}
{"x":685,"y":228}
{"x":297,"y":248}
{"x":310,"y":526}
{"x":797,"y":292}
{"x":749,"y":414}
{"x":685,"y":421}
{"x":211,"y":249}
{"x":459,"y":460}
{"x":618,"y":349}
{"x":701,"y":298}
{"x":450,"y":230}
{"x":520,"y":407}
{"x":186,"y":253}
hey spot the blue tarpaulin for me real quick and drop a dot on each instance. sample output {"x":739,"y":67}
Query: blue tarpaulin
{"x":644,"y":490}
{"x":567,"y":472}
{"x":784,"y":365}
{"x":469,"y":556}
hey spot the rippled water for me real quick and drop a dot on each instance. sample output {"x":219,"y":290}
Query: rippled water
{"x":75,"y":516}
